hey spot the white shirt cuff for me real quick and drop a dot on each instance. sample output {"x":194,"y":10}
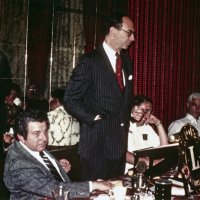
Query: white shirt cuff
{"x":90,"y":186}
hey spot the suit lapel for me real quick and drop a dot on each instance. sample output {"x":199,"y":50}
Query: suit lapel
{"x":108,"y":67}
{"x":127,"y":67}
{"x":128,"y":73}
{"x":29,"y":156}
{"x":36,"y":162}
{"x":63,"y":173}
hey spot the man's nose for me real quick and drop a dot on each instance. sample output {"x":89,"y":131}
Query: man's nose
{"x":132,"y":37}
{"x":44,"y":136}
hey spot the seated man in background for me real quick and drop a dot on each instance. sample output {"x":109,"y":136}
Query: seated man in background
{"x":31,"y":172}
{"x":192,"y":117}
{"x":35,"y":100}
{"x":9,"y":110}
{"x":141,"y":133}
{"x":64,"y":134}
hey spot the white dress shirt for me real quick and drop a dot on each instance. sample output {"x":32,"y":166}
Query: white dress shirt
{"x":111,"y":55}
{"x":176,"y":126}
{"x":141,"y":137}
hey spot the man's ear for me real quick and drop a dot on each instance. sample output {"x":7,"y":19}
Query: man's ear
{"x":112,"y":30}
{"x":21,"y":138}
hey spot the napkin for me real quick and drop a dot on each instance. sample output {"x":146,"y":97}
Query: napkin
{"x":178,"y":191}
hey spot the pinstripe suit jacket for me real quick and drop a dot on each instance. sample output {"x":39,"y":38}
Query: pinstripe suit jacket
{"x":27,"y":178}
{"x":93,"y":90}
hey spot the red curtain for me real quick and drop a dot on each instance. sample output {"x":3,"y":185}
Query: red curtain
{"x":166,"y":53}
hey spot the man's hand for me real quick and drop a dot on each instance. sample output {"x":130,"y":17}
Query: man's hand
{"x":8,"y":138}
{"x":152,"y":120}
{"x":65,"y":164}
{"x":102,"y":185}
{"x":137,"y":113}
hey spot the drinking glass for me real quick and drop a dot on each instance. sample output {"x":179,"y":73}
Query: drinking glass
{"x":60,"y":194}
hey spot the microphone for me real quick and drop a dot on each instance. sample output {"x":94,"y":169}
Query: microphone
{"x":141,"y":166}
{"x":139,"y":180}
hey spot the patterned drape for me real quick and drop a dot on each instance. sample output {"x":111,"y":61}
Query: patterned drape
{"x":13,"y":19}
{"x":166,"y":53}
{"x":68,"y":40}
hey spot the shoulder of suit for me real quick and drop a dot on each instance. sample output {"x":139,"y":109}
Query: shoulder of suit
{"x":94,"y":54}
{"x":89,"y":55}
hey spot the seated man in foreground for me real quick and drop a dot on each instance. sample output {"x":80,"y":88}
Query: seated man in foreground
{"x":27,"y":175}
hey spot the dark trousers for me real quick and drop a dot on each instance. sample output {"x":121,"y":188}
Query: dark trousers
{"x":102,"y":168}
{"x":71,"y":154}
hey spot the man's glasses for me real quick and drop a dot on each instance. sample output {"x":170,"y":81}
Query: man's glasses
{"x":129,"y":32}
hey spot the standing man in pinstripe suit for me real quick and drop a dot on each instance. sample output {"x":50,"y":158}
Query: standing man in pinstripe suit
{"x":94,"y":97}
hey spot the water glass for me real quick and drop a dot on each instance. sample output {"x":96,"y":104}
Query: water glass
{"x":60,"y":194}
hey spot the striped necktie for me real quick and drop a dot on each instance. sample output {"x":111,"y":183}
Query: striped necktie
{"x":51,"y":167}
{"x":119,"y":71}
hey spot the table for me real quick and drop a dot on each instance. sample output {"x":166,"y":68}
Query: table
{"x":125,"y":180}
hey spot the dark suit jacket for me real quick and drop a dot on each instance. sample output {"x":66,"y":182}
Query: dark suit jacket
{"x":27,"y":178}
{"x":93,"y":90}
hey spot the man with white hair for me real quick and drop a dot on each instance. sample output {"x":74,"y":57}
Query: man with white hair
{"x":192,"y":117}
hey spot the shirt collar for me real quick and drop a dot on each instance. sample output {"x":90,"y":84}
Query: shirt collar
{"x":191,"y":118}
{"x":36,"y":153}
{"x":111,"y":55}
{"x":109,"y":51}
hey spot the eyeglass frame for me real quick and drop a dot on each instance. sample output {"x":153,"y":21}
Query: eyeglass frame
{"x":144,"y":111}
{"x":130,"y":32}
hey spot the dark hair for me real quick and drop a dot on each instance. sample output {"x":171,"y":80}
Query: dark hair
{"x":114,"y":20}
{"x":4,"y":66}
{"x":30,"y":115}
{"x":138,"y":99}
{"x":12,"y":86}
{"x":59,"y":94}
{"x":5,"y":75}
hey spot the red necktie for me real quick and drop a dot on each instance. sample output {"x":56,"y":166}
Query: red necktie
{"x":119,"y":71}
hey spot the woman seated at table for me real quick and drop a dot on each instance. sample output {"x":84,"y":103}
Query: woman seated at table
{"x":146,"y":130}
